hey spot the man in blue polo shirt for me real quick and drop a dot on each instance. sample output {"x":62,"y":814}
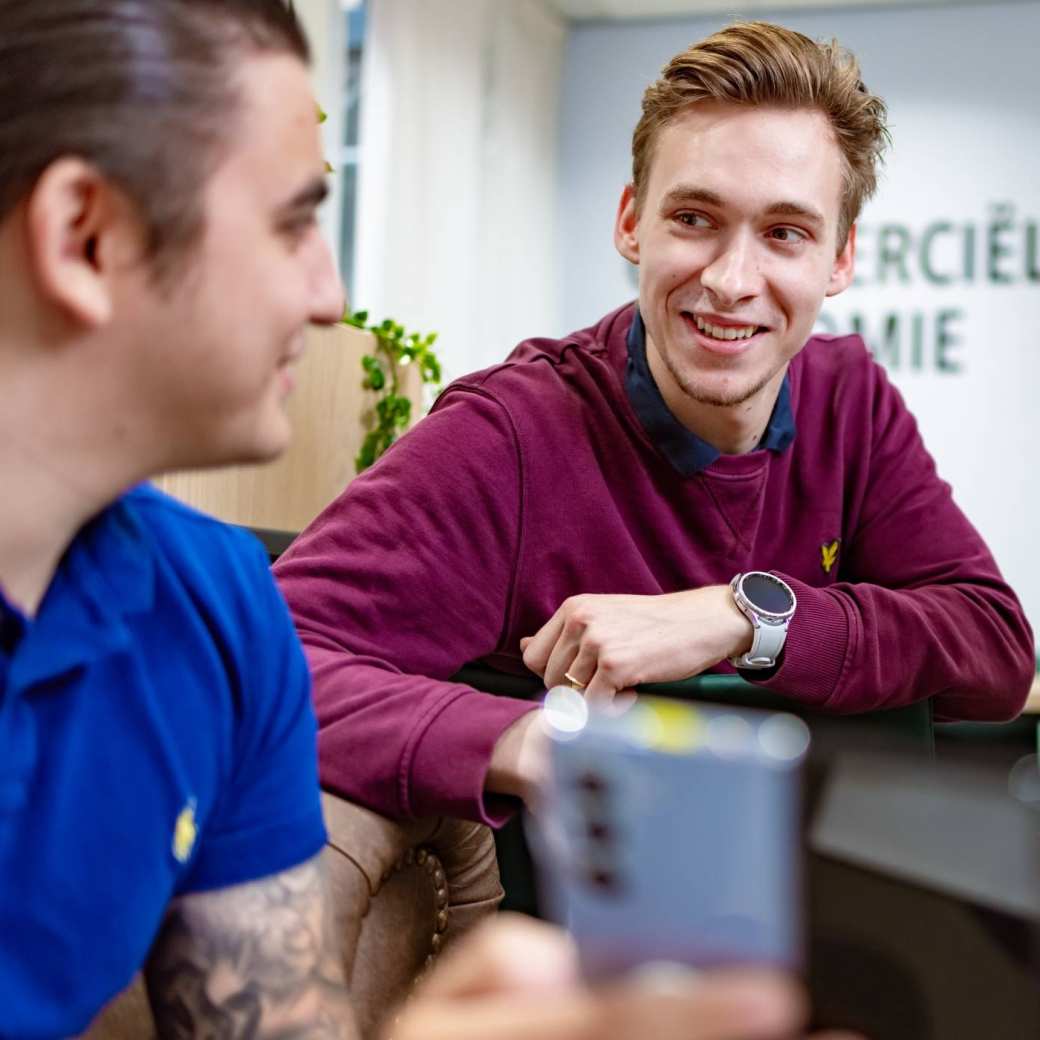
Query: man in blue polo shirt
{"x":159,"y":262}
{"x":158,"y":788}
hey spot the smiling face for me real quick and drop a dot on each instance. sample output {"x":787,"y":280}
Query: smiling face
{"x":736,"y":242}
{"x":212,"y":354}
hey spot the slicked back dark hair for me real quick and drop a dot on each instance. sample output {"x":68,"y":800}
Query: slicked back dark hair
{"x":145,"y":90}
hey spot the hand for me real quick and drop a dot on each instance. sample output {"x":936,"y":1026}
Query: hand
{"x":613,"y":643}
{"x":517,"y":979}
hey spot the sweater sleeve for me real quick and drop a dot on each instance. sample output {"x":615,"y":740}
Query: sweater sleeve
{"x":403,"y":579}
{"x":920,"y":609}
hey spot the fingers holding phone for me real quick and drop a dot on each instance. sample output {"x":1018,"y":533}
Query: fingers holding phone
{"x":518,"y":979}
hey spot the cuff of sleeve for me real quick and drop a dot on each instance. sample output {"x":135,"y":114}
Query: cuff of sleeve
{"x":235,"y":859}
{"x":450,"y":762}
{"x":816,"y":649}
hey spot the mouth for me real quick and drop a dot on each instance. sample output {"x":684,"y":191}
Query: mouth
{"x":723,"y":336}
{"x":286,"y":369}
{"x":286,"y":380}
{"x":294,"y":353}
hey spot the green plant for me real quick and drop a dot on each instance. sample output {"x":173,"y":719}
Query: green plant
{"x":322,"y":117}
{"x":395,"y":349}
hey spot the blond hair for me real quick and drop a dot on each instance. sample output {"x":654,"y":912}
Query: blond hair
{"x":757,"y":63}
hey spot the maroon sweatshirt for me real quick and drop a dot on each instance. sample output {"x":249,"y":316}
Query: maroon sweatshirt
{"x":537,"y":479}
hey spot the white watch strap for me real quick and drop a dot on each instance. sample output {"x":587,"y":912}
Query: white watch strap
{"x":766,"y":644}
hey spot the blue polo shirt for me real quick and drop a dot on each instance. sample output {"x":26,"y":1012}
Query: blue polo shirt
{"x":156,"y":738}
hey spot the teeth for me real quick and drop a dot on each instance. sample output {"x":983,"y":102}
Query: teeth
{"x":731,"y":332}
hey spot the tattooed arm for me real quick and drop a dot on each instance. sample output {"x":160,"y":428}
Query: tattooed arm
{"x":254,"y":960}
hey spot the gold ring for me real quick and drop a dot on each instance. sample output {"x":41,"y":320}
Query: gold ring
{"x":576,"y":683}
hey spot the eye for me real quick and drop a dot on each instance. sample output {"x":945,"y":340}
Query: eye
{"x":787,"y":235}
{"x":297,"y":229}
{"x":693,"y":220}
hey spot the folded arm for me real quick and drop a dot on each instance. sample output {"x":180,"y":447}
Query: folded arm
{"x":254,"y":960}
{"x":920,"y":609}
{"x":404,"y":579}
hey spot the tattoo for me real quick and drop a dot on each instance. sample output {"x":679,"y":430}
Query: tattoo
{"x":252,"y":961}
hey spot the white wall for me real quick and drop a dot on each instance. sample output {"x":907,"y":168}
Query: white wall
{"x":961,"y":85}
{"x":459,"y":133}
{"x":323,"y":21}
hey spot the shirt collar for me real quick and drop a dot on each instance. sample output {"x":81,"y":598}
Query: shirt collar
{"x":106,"y":574}
{"x":687,"y":452}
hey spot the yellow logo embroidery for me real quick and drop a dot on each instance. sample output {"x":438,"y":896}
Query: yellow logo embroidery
{"x":185,"y":831}
{"x":829,"y":554}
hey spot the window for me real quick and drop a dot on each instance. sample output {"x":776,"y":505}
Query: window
{"x":348,"y":159}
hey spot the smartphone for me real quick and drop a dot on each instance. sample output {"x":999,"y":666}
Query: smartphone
{"x":672,"y":832}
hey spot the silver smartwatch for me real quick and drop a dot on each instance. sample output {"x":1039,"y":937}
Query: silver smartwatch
{"x":768,"y":603}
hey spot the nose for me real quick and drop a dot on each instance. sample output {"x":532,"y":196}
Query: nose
{"x":733,"y":274}
{"x":328,"y":297}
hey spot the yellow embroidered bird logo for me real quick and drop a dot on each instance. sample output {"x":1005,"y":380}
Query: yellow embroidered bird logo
{"x":185,"y":831}
{"x":829,"y":554}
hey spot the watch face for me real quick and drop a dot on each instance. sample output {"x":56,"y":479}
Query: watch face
{"x":767,"y":593}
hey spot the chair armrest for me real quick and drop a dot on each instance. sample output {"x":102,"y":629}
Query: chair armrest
{"x":401,"y":892}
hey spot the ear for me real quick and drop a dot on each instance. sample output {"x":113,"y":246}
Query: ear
{"x":626,"y":226}
{"x":81,"y":230}
{"x":844,"y":266}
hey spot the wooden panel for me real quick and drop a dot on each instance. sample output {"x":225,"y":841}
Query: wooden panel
{"x":1033,"y":703}
{"x":326,"y":411}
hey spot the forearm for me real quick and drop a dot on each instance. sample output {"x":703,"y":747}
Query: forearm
{"x":253,"y":961}
{"x":403,"y":580}
{"x":407,"y":745}
{"x":919,"y":609}
{"x":519,"y":759}
{"x":858,"y":647}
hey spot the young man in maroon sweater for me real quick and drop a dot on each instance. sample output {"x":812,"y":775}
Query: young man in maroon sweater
{"x":592,"y":507}
{"x":158,"y":797}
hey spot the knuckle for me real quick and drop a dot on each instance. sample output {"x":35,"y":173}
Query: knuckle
{"x":592,"y":644}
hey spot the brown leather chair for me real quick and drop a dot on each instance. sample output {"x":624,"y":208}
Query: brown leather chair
{"x":400,"y":892}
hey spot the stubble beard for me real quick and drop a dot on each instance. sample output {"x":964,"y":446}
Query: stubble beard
{"x":701,"y":395}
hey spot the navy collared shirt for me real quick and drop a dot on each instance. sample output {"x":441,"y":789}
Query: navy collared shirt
{"x":156,"y":738}
{"x":687,"y":452}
